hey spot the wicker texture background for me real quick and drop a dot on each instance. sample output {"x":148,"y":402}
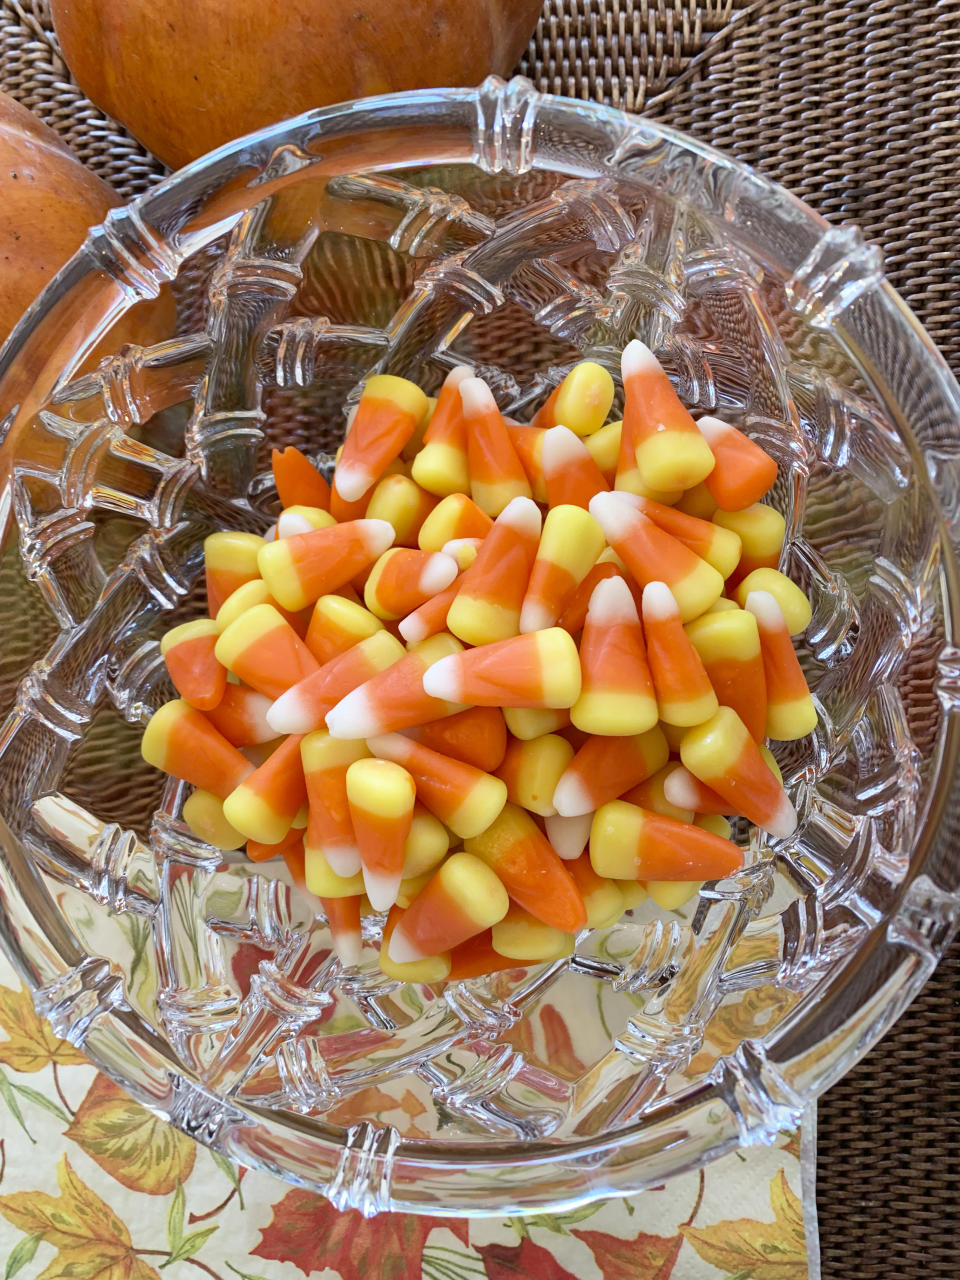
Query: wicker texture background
{"x":855,"y":106}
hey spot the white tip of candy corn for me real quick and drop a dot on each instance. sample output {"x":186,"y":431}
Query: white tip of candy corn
{"x":561,"y":448}
{"x":658,"y":602}
{"x":680,"y":788}
{"x":766,"y":609}
{"x":348,"y":947}
{"x":438,"y":572}
{"x":382,"y":889}
{"x":401,"y":950}
{"x":344,"y":859}
{"x":292,"y":713}
{"x":353,"y":479}
{"x":615,"y":516}
{"x":390,"y":746}
{"x":637,"y":358}
{"x":712,"y":429}
{"x":523,"y":515}
{"x":442,"y":680}
{"x":784,"y":821}
{"x":412,"y":628}
{"x":290,"y":523}
{"x":458,"y":375}
{"x":354,"y":716}
{"x":571,"y":798}
{"x":535,"y":616}
{"x":568,"y":835}
{"x":611,"y":602}
{"x":476,"y":396}
{"x":270,"y":533}
{"x":377,"y":534}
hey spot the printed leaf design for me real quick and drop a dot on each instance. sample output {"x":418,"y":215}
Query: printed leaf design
{"x":132,"y":1145}
{"x":524,"y":1261}
{"x":21,"y":1254}
{"x":309,"y":1232}
{"x":559,"y":1044}
{"x":758,"y":1250}
{"x":31,"y":1044}
{"x":91,"y":1241}
{"x":643,"y":1257}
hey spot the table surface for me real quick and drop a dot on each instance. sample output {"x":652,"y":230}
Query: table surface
{"x":855,"y":106}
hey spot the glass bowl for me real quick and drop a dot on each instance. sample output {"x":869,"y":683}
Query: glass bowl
{"x":407,"y":234}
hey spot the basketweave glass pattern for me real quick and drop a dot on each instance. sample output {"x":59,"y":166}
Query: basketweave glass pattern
{"x":519,"y":234}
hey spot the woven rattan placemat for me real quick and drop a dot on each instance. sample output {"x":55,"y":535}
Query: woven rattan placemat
{"x":855,"y":106}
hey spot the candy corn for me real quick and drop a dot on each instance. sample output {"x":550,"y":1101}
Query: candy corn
{"x":496,"y":473}
{"x":257,"y":851}
{"x":426,"y":845}
{"x":298,"y":481}
{"x":602,"y":898}
{"x":304,"y":706}
{"x":728,"y":643}
{"x":302,"y":519}
{"x":231,"y":559}
{"x":524,"y":939}
{"x":441,"y":465}
{"x":684,"y":693}
{"x":672,"y":894}
{"x":532,"y":722}
{"x":462,"y":899}
{"x":431,"y":617}
{"x":430,"y":969}
{"x":396,"y":697}
{"x":197,"y":676}
{"x":464,"y":798}
{"x":568,"y":835}
{"x":329,"y":828}
{"x":456,"y":516}
{"x":265,"y":804}
{"x":381,"y":796}
{"x":790,"y":710}
{"x":617,"y":696}
{"x":653,"y":555}
{"x":404,"y":505}
{"x":698,"y":502}
{"x":182,"y":742}
{"x":569,"y":544}
{"x":575,"y":614}
{"x":322,"y":880}
{"x":629,"y":842}
{"x":300,"y":569}
{"x":582,"y":400}
{"x":241,"y":716}
{"x":569,"y":472}
{"x":793,"y":603}
{"x":475,"y":958}
{"x":743,"y":472}
{"x":477,"y":736}
{"x":717,"y":545}
{"x":203,"y":814}
{"x":761,"y":531}
{"x":463,"y":550}
{"x":604,"y":448}
{"x":490,"y":593}
{"x":336,"y":625}
{"x":343,"y":919}
{"x":685,"y":791}
{"x":535,"y":878}
{"x":537,"y":670}
{"x":651,"y":794}
{"x":532,"y":769}
{"x":248,"y":597}
{"x":606,"y":767}
{"x":387,"y":416}
{"x":671,"y":453}
{"x":403,"y":579}
{"x":264,"y":651}
{"x":722,"y":754}
{"x":528,"y":442}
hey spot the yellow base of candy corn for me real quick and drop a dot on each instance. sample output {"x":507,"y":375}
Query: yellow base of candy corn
{"x":441,"y":469}
{"x":698,"y":502}
{"x":697,"y":590}
{"x":585,"y":397}
{"x":671,"y":894}
{"x":604,"y":446}
{"x":715,"y":823}
{"x":482,"y":621}
{"x":604,"y":905}
{"x":409,"y":888}
{"x":426,"y":845}
{"x":203,"y":814}
{"x":613,"y":840}
{"x":431,"y":969}
{"x":633,"y":481}
{"x":797,"y":610}
{"x":790,"y":720}
{"x":251,"y":814}
{"x":492,"y":498}
{"x":632,"y":893}
{"x":533,"y":722}
{"x":529,"y":940}
{"x":691,"y":711}
{"x":614,"y":715}
{"x":543,"y":761}
{"x":482,"y":806}
{"x":323,"y":880}
{"x":674,"y":459}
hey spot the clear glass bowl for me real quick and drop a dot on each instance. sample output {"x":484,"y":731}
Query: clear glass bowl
{"x":516,"y":232}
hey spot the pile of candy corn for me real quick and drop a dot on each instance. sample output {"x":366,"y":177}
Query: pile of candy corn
{"x":501,"y":681}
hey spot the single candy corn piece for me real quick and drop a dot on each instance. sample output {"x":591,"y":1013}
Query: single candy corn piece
{"x":431,"y":617}
{"x":575,"y":614}
{"x":300,"y":569}
{"x":652,"y":555}
{"x":743,"y":472}
{"x":381,"y":796}
{"x":628,"y":475}
{"x":528,"y":442}
{"x":568,"y":835}
{"x":490,"y":593}
{"x":533,"y":722}
{"x":685,"y":791}
{"x":711,"y":542}
{"x":265,"y":804}
{"x":257,"y":851}
{"x":601,"y":897}
{"x":496,"y":473}
{"x":627,"y":841}
{"x":793,"y":603}
{"x":537,"y":670}
{"x":395,"y":698}
{"x":203,"y":814}
{"x":581,"y":402}
{"x":427,"y":844}
{"x":465,"y":799}
{"x":476,"y":958}
{"x":336,"y":625}
{"x":651,"y":794}
{"x":729,"y":647}
{"x":430,"y":969}
{"x":303,"y":707}
{"x":714,"y":822}
{"x":298,"y":481}
{"x":671,"y":453}
{"x":241,"y":716}
{"x":569,"y":546}
{"x":535,"y":878}
{"x":197,"y":676}
{"x":477,"y":736}
{"x":387,"y":415}
{"x":463,"y":898}
{"x":248,"y":597}
{"x":524,"y":939}
{"x":722,"y":754}
{"x":329,"y":828}
{"x":403,"y":579}
{"x":264,"y":651}
{"x":322,"y":880}
{"x":698,"y":502}
{"x":456,"y":516}
{"x":618,"y":696}
{"x":604,"y":448}
{"x":230,"y":559}
{"x":182,"y":742}
{"x":463,"y":550}
{"x":402,"y":503}
{"x":415,"y":443}
{"x":532,"y":769}
{"x":441,"y":465}
{"x":343,"y":919}
{"x":302,"y":519}
{"x":670,"y":895}
{"x":790,"y":710}
{"x":761,"y":530}
{"x":606,"y":767}
{"x":569,"y":472}
{"x":684,"y":693}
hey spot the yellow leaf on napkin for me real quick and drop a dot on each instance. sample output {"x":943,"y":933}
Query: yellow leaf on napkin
{"x":30,"y":1044}
{"x":762,"y":1250}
